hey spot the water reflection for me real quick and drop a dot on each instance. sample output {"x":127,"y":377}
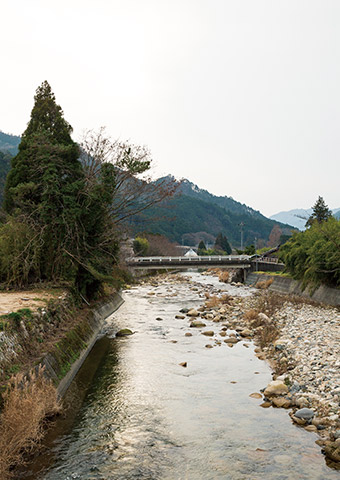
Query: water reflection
{"x":146,"y":417}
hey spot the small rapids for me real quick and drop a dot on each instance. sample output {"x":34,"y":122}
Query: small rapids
{"x":135,"y":413}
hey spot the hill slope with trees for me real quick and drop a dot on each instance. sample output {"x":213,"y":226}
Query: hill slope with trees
{"x":9,"y":143}
{"x":193,"y":210}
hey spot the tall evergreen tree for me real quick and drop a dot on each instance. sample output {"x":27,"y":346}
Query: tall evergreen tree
{"x":320,"y":213}
{"x":221,"y":243}
{"x":45,"y":181}
{"x":201,"y":246}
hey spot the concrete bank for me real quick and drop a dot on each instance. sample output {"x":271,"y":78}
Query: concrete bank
{"x":63,"y":363}
{"x":289,"y":286}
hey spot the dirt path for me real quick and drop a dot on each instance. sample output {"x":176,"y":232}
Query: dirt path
{"x":13,"y":301}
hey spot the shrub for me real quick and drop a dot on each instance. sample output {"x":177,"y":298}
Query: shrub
{"x":27,"y":403}
{"x":264,"y":284}
{"x":223,"y":276}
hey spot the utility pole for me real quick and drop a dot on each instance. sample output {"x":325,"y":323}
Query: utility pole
{"x":256,"y":259}
{"x":241,"y":225}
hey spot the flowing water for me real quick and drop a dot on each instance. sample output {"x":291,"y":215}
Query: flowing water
{"x":146,"y":417}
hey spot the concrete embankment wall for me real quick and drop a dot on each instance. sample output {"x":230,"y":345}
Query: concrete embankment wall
{"x":289,"y":286}
{"x":64,"y":361}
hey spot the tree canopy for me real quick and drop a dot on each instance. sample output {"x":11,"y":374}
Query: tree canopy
{"x":320,"y":212}
{"x":313,"y":256}
{"x":59,"y":211}
{"x":221,"y":243}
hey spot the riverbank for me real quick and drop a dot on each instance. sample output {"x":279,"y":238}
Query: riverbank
{"x":299,"y":338}
{"x":174,"y":400}
{"x":41,"y":350}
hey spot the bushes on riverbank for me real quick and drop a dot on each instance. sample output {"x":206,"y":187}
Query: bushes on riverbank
{"x":27,"y":404}
{"x":313,"y":256}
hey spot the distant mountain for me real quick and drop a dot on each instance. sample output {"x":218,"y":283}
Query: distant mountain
{"x":9,"y":143}
{"x":298,"y":217}
{"x":194,"y":213}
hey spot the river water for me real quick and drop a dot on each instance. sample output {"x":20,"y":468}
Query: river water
{"x":144,"y":416}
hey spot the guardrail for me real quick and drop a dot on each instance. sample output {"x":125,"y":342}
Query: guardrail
{"x":232,"y":259}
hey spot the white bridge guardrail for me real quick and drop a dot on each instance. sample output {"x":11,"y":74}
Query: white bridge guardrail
{"x":198,"y":259}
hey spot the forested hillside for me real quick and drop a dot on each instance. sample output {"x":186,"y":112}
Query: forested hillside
{"x":9,"y":143}
{"x":193,"y":210}
{"x":5,"y":165}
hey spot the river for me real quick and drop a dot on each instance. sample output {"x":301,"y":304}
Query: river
{"x":138,"y":414}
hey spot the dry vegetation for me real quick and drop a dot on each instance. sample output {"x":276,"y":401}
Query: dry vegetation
{"x":27,"y":405}
{"x":260,"y":319}
{"x":264,"y":284}
{"x":215,"y":301}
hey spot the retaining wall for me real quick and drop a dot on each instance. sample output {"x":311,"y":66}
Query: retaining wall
{"x":62,"y":364}
{"x":289,"y":286}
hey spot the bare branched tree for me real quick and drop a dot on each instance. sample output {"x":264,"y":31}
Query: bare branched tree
{"x":134,"y":190}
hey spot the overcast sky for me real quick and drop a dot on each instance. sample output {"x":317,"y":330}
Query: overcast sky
{"x":242,"y":97}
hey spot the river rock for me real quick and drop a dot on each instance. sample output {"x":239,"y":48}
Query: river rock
{"x":276,"y":388}
{"x":223,"y":334}
{"x":301,"y":402}
{"x":183,"y":364}
{"x":266,"y":404}
{"x":305,"y":414}
{"x":188,"y":334}
{"x":281,"y":402}
{"x":311,"y":428}
{"x":246,"y":332}
{"x":255,"y":395}
{"x":184,"y":310}
{"x":208,"y":333}
{"x":262,"y":316}
{"x":193,"y":313}
{"x":124,"y":332}
{"x":180,"y":317}
{"x":299,"y":421}
{"x":231,"y":340}
{"x":332,"y":451}
{"x":197,"y":324}
{"x":209,"y":345}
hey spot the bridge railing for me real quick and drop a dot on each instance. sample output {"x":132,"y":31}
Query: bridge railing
{"x":199,"y":259}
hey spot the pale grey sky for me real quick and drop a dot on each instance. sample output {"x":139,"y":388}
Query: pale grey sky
{"x":241,"y":97}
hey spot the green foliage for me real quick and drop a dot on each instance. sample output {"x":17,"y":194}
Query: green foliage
{"x":140,"y":246}
{"x":201,"y":246}
{"x":202,"y":249}
{"x":20,"y":252}
{"x":221,"y":243}
{"x":5,"y":165}
{"x":14,"y":318}
{"x":248,"y":250}
{"x":313,"y":256}
{"x":59,"y":212}
{"x":9,"y":143}
{"x":320,"y":213}
{"x":184,"y":214}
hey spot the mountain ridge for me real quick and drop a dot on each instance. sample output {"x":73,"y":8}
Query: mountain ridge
{"x":297,"y":217}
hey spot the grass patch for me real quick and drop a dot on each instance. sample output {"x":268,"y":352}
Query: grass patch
{"x":274,"y":274}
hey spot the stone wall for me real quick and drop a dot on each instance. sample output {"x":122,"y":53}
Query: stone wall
{"x":289,"y":286}
{"x":64,"y":361}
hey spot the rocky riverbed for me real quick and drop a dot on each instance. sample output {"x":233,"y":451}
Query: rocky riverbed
{"x":299,"y":339}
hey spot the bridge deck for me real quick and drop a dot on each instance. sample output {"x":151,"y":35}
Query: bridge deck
{"x":232,"y":260}
{"x":236,"y":261}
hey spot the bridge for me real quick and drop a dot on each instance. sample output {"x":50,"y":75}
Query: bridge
{"x":245,"y":262}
